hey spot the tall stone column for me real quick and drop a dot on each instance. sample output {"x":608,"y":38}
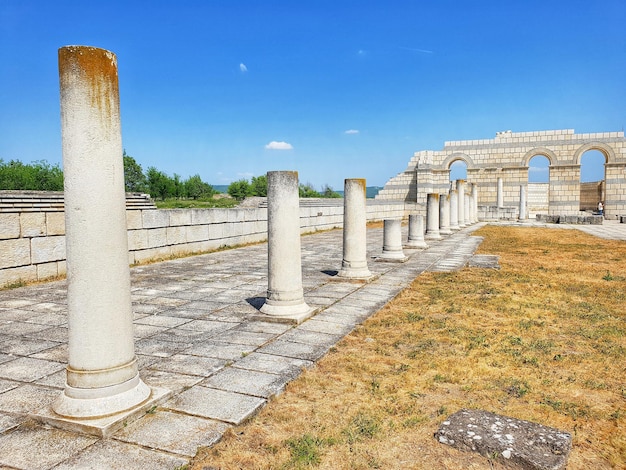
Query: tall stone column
{"x":416,"y":232}
{"x":432,"y":217}
{"x":392,"y":241}
{"x":500,"y":194}
{"x":444,"y":214}
{"x":285,"y":295}
{"x":475,"y":203}
{"x":460,"y":189}
{"x":466,"y":209}
{"x":354,"y":264}
{"x":102,"y":374}
{"x":522,"y":203}
{"x":454,"y":210}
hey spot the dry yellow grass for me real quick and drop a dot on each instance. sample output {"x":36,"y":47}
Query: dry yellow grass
{"x":542,"y":339}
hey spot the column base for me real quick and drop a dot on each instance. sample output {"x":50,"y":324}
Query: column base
{"x":354,"y":273}
{"x":102,"y":426}
{"x":285,"y":313}
{"x":416,"y":244}
{"x":392,"y":257}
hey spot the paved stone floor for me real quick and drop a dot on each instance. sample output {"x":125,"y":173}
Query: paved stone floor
{"x":198,"y":336}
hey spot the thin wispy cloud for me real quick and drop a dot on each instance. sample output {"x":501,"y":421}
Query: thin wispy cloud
{"x":352,"y":131}
{"x":415,"y":49}
{"x":274,"y":145}
{"x":243,"y":68}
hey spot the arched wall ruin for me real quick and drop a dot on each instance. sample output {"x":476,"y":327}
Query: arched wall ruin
{"x":507,"y":156}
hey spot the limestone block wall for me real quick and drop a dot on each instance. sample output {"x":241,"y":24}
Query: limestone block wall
{"x":538,"y":197}
{"x":32,"y":244}
{"x":507,"y":156}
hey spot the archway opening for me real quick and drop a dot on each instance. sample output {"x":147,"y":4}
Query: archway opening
{"x":538,"y":185}
{"x":592,"y":176}
{"x":458,"y":170}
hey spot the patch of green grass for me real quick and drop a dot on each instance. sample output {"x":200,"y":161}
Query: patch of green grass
{"x":362,"y":426}
{"x":222,"y":203}
{"x":304,"y":451}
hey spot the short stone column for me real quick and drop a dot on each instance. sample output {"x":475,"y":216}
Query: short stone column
{"x":460,"y":189}
{"x":354,"y":264}
{"x":475,"y":203}
{"x":444,"y":214}
{"x":454,"y":210}
{"x":522,"y":203}
{"x":392,"y":241}
{"x":416,"y":232}
{"x":500,"y":194}
{"x":285,"y":295}
{"x":102,"y":375}
{"x":432,"y":217}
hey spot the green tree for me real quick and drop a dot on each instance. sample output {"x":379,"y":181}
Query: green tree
{"x":259,"y":186}
{"x":196,"y":188}
{"x":306,"y":190}
{"x":329,"y":192}
{"x":159,"y":184}
{"x":134,"y":179}
{"x":240,"y":189}
{"x":36,"y":176}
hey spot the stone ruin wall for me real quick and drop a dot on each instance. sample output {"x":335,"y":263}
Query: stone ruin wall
{"x":32,"y":234}
{"x":507,"y":156}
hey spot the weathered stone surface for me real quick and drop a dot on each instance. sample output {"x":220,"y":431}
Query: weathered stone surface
{"x":484,"y":261}
{"x":516,"y":443}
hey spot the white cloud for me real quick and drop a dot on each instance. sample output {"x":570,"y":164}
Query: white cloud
{"x":273,"y":145}
{"x":243,"y":67}
{"x":352,"y":131}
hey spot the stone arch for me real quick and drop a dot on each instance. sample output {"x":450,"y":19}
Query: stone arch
{"x":457,"y":156}
{"x":543,"y":151}
{"x":606,"y":150}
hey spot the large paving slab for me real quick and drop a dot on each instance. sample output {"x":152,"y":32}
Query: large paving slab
{"x":197,"y":338}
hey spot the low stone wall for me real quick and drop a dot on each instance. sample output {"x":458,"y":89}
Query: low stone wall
{"x":571,"y":219}
{"x":491,"y":213}
{"x":32,"y":244}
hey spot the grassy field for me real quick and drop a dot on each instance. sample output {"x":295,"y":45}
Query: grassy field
{"x":542,"y":339}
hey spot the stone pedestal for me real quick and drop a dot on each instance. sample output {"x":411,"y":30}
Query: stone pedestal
{"x":432,"y":217}
{"x":454,"y":210}
{"x":392,"y":241}
{"x":285,"y":295}
{"x":416,"y":232}
{"x":523,"y":217}
{"x":354,"y":263}
{"x":444,"y":214}
{"x":460,"y":189}
{"x":102,"y":374}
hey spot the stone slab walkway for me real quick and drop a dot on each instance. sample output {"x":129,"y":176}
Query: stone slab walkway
{"x":197,"y":336}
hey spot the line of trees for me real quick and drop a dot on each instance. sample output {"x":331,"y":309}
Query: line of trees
{"x":41,"y":176}
{"x":258,"y":187}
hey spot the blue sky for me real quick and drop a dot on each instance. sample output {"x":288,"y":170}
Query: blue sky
{"x":333,"y":89}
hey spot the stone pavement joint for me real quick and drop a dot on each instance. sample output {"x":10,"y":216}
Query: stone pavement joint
{"x":196,"y":337}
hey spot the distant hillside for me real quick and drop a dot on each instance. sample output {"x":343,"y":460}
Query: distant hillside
{"x":370,"y":191}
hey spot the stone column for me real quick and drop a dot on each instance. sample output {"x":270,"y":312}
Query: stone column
{"x":354,"y":264}
{"x":444,"y":214}
{"x":522,"y":203}
{"x":285,"y":295}
{"x":102,"y":375}
{"x":460,"y":189}
{"x":500,"y":195}
{"x":454,"y":210}
{"x":466,"y":209}
{"x":416,"y":232}
{"x":432,"y":217}
{"x":392,"y":241}
{"x":475,"y":203}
